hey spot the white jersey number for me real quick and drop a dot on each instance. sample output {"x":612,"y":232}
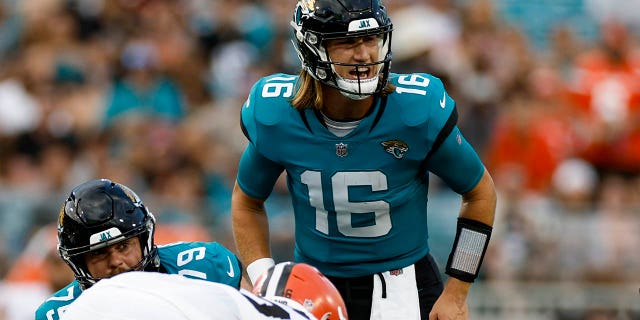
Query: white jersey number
{"x":277,"y":88}
{"x":413,"y":80}
{"x":340,"y":183}
{"x":187,"y":256}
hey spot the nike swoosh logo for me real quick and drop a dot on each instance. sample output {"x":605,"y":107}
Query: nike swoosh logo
{"x":443,"y":101}
{"x":230,"y":273}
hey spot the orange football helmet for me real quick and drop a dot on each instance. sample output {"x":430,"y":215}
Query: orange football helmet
{"x":302,"y":285}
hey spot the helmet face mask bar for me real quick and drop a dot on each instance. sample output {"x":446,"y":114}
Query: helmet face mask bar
{"x":98,"y":214}
{"x":342,"y":19}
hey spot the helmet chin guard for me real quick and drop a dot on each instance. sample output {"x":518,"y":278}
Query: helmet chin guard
{"x":366,"y":87}
{"x":315,"y":22}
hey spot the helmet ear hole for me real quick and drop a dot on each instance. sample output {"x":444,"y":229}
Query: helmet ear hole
{"x":321,"y":73}
{"x":312,"y":39}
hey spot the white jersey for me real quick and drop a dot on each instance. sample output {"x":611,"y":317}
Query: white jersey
{"x":151,"y":295}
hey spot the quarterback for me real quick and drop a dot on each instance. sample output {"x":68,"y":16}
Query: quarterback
{"x":357,"y":143}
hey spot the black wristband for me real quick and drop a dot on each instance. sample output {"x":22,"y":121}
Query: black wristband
{"x":469,"y":247}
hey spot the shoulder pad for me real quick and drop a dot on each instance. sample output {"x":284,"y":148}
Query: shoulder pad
{"x":58,"y":301}
{"x":268,"y":101}
{"x":421,"y":97}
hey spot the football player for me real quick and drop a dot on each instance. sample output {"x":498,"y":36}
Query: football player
{"x":104,"y":229}
{"x":288,"y":291}
{"x":357,"y":143}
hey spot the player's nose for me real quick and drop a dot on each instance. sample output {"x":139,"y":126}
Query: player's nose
{"x":116,"y":260}
{"x":361,"y":51}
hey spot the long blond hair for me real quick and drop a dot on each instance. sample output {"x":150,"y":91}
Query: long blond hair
{"x":309,"y":92}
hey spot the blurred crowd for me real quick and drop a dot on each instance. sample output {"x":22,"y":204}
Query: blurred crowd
{"x":148,"y":93}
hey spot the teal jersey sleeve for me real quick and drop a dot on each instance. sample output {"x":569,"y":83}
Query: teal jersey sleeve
{"x":201,"y":260}
{"x":426,"y":106}
{"x":266,"y":106}
{"x":256,"y":174}
{"x":457,"y":163}
{"x":449,"y":155}
{"x":53,"y":307}
{"x":247,"y":115}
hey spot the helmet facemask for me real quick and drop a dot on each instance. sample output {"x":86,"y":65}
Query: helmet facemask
{"x":367,"y":74}
{"x":150,"y":260}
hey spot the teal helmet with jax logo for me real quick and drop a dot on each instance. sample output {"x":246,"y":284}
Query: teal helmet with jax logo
{"x":100,"y":213}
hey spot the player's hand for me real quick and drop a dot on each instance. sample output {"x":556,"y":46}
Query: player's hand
{"x":452,"y":303}
{"x":246,"y":284}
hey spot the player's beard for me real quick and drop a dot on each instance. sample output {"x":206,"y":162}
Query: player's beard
{"x":140,"y":265}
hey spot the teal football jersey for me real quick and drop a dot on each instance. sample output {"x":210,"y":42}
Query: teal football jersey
{"x":200,"y":260}
{"x":360,"y":201}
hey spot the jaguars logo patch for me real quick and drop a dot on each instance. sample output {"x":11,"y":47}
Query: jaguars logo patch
{"x":395,"y":147}
{"x":308,"y":5}
{"x":134,"y":198}
{"x":61,"y":216}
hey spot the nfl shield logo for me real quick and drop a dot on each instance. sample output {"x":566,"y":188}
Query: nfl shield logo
{"x":395,"y":272}
{"x":341,"y":149}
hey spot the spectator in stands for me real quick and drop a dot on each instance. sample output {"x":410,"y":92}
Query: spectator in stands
{"x":617,"y":230}
{"x":606,"y":91}
{"x":142,"y":91}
